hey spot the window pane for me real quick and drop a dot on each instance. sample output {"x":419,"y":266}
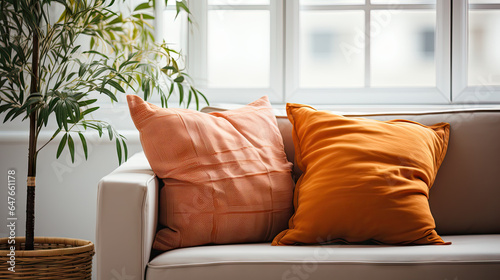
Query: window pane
{"x":396,"y":3}
{"x":238,"y":48}
{"x":402,"y":48}
{"x":484,"y":1}
{"x":484,"y":39}
{"x":172,"y":29}
{"x":331,"y":49}
{"x":238,"y":2}
{"x":331,"y":2}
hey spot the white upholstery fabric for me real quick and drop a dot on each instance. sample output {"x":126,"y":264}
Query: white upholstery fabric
{"x":470,"y":257}
{"x":126,"y":220}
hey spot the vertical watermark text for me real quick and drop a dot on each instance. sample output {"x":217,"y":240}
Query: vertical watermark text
{"x":11,"y":219}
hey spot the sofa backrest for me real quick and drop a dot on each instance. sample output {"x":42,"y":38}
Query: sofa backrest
{"x":465,"y":197}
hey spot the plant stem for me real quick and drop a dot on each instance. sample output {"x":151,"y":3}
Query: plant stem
{"x":30,"y":199}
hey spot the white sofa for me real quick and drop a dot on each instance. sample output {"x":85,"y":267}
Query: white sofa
{"x":465,"y":202}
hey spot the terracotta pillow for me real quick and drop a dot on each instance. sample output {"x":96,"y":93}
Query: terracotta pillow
{"x":227,"y":179}
{"x":364,"y":181}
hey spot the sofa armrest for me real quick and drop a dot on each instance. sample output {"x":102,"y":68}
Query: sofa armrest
{"x":127,"y":208}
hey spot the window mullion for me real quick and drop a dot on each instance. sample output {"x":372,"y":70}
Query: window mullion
{"x":443,"y":48}
{"x":292,"y":52}
{"x":277,"y":52}
{"x":158,"y":22}
{"x":367,"y":46}
{"x":459,"y":49}
{"x":197,"y":58}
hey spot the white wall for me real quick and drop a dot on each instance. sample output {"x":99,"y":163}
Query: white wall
{"x":66,"y":193}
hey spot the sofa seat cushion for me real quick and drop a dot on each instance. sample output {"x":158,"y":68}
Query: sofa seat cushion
{"x":469,"y":257}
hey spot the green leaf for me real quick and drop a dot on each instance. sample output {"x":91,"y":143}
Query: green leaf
{"x":70,"y":76}
{"x":174,"y":69}
{"x":142,"y":6}
{"x":181,"y":5}
{"x":190,"y":95}
{"x":125,"y":80}
{"x":61,"y":114}
{"x":170,"y":91}
{"x":204,"y":97}
{"x":99,"y":72}
{"x":19,"y":51}
{"x":52,"y":102}
{"x":10,"y":114}
{"x":125,"y":149}
{"x":19,"y":112}
{"x":108,"y":93}
{"x":89,"y":110}
{"x":179,"y":79}
{"x":163,"y":100}
{"x":97,"y":53}
{"x":181,"y":93}
{"x":143,"y":16}
{"x":63,"y":15}
{"x":99,"y":128}
{"x":5,"y":107}
{"x":84,"y":144}
{"x":118,"y":19}
{"x":110,"y":132}
{"x":119,"y":150}
{"x":75,"y":49}
{"x":128,"y":63}
{"x":42,"y":115}
{"x":55,"y":133}
{"x":58,"y":116}
{"x":33,"y":99}
{"x":115,"y":85}
{"x":145,"y":88}
{"x":71,"y":146}
{"x":69,"y":110}
{"x":87,"y":102}
{"x":196,"y":99}
{"x":61,"y":145}
{"x":61,"y":2}
{"x":76,"y":109}
{"x":82,"y":70}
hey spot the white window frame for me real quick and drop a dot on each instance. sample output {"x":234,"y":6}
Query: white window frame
{"x":368,"y":95}
{"x":461,"y":92}
{"x":197,"y":58}
{"x":451,"y":60}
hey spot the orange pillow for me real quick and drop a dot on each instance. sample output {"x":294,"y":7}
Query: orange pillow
{"x":364,"y":181}
{"x":226,"y":176}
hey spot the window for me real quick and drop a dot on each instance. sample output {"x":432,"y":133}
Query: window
{"x":236,"y":49}
{"x":377,"y":57}
{"x":347,"y":52}
{"x":476,"y":56}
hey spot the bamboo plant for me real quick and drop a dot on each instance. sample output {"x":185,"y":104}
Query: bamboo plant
{"x":47,"y":74}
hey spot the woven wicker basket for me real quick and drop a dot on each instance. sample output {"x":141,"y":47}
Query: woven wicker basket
{"x":53,"y":258}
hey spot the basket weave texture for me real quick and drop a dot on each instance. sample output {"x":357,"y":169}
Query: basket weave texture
{"x":53,"y":258}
